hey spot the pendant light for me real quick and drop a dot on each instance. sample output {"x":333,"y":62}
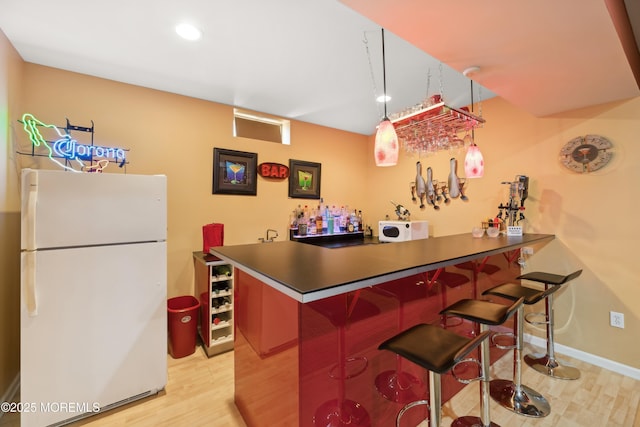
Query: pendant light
{"x":386,"y":146}
{"x":473,"y":161}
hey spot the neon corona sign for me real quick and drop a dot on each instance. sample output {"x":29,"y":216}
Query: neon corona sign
{"x":68,"y":148}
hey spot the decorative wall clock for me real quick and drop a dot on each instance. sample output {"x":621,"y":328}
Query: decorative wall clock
{"x":587,"y":153}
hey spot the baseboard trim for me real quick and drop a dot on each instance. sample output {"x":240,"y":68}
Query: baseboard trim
{"x":586,"y":357}
{"x":10,"y":393}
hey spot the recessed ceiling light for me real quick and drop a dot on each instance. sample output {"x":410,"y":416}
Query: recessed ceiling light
{"x":383,"y":98}
{"x":188,"y":32}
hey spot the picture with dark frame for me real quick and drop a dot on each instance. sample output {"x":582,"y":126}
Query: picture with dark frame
{"x":304,"y":179}
{"x":234,"y":172}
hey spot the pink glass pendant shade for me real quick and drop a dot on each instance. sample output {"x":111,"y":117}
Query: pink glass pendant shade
{"x":474,"y":162}
{"x":386,"y":147}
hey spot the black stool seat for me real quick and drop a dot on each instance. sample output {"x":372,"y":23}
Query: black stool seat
{"x":435,"y":349}
{"x":485,"y":312}
{"x":550,"y":278}
{"x":513,"y":291}
{"x":431,"y":347}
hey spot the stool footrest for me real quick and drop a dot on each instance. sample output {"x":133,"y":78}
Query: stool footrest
{"x":501,"y":335}
{"x":360,"y":364}
{"x":409,"y":406}
{"x":465,"y":380}
{"x":530,"y":319}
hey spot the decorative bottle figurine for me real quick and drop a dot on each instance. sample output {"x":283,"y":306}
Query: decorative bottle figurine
{"x":454,"y":184}
{"x":421,"y":186}
{"x":431,"y":190}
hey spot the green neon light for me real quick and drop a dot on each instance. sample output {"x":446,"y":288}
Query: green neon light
{"x":30,"y":125}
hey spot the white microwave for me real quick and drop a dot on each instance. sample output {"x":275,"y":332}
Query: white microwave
{"x":402,"y":231}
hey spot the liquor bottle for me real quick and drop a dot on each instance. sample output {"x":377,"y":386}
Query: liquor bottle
{"x":354,"y":220}
{"x":360,"y":223}
{"x":330,"y":223}
{"x":319,"y":222}
{"x":343,"y":220}
{"x":348,"y":223}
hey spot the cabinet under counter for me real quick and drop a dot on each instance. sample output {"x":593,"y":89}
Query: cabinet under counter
{"x":309,"y":320}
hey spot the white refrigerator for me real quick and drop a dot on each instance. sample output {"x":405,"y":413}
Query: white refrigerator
{"x":93,"y":293}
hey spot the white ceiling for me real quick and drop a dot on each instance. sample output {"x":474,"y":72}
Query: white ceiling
{"x":307,"y":60}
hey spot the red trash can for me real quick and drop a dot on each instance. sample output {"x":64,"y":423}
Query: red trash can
{"x":183,"y":325}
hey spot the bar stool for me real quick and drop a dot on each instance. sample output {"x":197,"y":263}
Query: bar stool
{"x":484,"y":313}
{"x":543,"y":363}
{"x":512,"y":394}
{"x":437,"y":350}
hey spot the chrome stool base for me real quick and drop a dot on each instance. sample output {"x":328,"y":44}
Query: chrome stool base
{"x":471,"y":422}
{"x":551,"y":367}
{"x":529,"y":403}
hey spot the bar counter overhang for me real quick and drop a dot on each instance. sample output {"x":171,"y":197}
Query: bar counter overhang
{"x":308,"y":321}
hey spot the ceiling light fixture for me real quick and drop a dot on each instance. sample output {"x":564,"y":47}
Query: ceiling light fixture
{"x":386,"y":145}
{"x":473,"y":161}
{"x":188,"y":32}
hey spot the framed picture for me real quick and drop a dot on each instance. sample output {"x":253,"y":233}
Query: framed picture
{"x":304,"y":179}
{"x":234,"y":172}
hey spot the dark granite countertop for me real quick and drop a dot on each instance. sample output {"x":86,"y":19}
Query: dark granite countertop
{"x":308,"y":272}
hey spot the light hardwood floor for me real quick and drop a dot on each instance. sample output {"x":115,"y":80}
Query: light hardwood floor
{"x":199,"y":392}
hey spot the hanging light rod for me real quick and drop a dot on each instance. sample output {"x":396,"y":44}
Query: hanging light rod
{"x":384,"y":79}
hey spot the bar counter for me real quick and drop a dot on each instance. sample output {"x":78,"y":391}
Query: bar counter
{"x":308,"y":321}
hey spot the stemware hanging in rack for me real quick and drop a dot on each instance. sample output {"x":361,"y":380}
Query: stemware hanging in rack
{"x":433,"y":125}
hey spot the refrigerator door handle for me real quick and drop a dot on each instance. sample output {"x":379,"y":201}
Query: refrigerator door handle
{"x":32,"y":182}
{"x":29,"y":289}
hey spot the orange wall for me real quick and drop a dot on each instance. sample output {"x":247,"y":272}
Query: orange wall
{"x":10,"y":84}
{"x":590,"y":214}
{"x":175,"y":135}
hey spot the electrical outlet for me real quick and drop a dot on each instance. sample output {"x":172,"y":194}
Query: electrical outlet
{"x":616,"y":319}
{"x":527,"y":250}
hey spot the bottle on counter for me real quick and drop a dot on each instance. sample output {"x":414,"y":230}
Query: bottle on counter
{"x":354,"y":220}
{"x":303,"y":223}
{"x":325,"y":220}
{"x":318,"y":220}
{"x":348,"y":224}
{"x":360,"y":223}
{"x":330,"y":223}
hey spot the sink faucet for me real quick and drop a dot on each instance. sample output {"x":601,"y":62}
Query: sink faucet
{"x":269,"y":239}
{"x":274,"y":232}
